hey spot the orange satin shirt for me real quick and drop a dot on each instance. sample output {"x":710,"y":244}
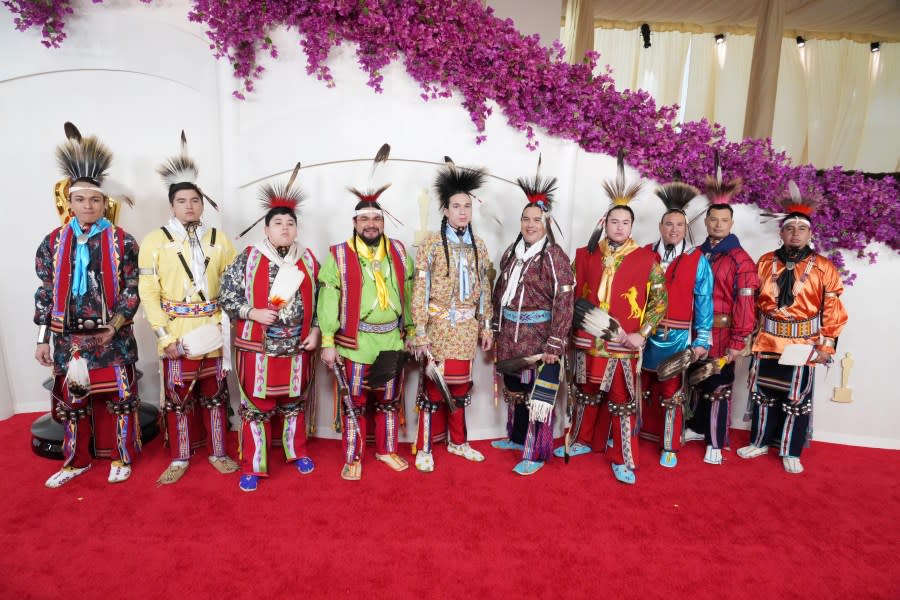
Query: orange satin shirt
{"x":820,"y":294}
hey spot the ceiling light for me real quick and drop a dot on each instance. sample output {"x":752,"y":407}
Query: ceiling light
{"x":800,"y":41}
{"x":645,"y":33}
{"x":720,"y":39}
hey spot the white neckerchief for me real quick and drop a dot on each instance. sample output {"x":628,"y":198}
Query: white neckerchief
{"x":198,"y":259}
{"x":289,"y":262}
{"x":514,"y":277}
{"x":270,"y":252}
{"x":660,"y":248}
{"x":515,"y":272}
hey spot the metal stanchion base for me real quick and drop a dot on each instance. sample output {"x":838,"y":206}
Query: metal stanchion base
{"x":47,"y":434}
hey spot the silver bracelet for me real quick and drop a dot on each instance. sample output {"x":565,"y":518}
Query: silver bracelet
{"x":43,"y":336}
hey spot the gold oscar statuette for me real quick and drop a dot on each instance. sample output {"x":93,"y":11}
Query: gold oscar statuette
{"x":844,"y":393}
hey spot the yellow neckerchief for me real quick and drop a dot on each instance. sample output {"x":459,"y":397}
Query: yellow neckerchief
{"x":611,"y":261}
{"x":375,"y":262}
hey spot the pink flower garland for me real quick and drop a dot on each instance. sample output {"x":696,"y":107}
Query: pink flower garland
{"x":459,"y":45}
{"x":49,"y":16}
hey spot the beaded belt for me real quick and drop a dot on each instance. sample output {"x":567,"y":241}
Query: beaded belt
{"x":526,"y":316}
{"x":598,"y":347}
{"x":189,"y":309}
{"x":281,"y":332}
{"x":791,"y":329}
{"x":668,"y":323}
{"x":616,"y":348}
{"x":379,"y":327}
{"x":460,"y":314}
{"x":721,"y":320}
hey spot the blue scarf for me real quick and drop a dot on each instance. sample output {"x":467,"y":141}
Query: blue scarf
{"x":82,"y":254}
{"x":730,"y":242}
{"x":465,"y":283}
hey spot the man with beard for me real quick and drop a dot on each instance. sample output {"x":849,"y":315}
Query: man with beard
{"x":802,"y":314}
{"x":687,"y":323}
{"x":181,"y":265}
{"x":364,"y":309}
{"x":87,"y":298}
{"x":734,"y":315}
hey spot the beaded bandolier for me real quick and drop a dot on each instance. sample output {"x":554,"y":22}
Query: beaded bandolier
{"x":181,"y":265}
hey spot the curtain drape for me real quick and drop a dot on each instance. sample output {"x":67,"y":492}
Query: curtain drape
{"x":790,"y":125}
{"x":880,"y":145}
{"x":718,"y":77}
{"x":658,"y":69}
{"x":619,"y":49}
{"x":835,"y":102}
{"x":578,"y":33}
{"x":838,"y":88}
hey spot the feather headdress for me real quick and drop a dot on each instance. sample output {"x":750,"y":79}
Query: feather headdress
{"x":368,"y":202}
{"x":676,"y":195}
{"x":717,"y":190}
{"x":795,"y":206}
{"x":86,"y":158}
{"x":182,"y":169}
{"x":277,"y":195}
{"x":452,"y":180}
{"x":369,"y":196}
{"x":619,"y":193}
{"x":796,"y":203}
{"x":179,"y":169}
{"x":539,"y":190}
{"x":83,"y":157}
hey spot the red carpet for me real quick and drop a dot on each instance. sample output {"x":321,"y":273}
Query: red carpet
{"x":746,"y":529}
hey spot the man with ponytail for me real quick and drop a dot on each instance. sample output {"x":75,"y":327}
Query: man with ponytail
{"x":625,"y":280}
{"x":452,"y":312}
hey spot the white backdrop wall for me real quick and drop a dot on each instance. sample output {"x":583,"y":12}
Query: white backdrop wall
{"x":154,"y":75}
